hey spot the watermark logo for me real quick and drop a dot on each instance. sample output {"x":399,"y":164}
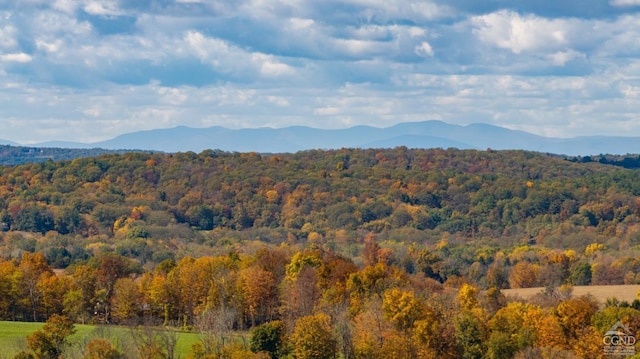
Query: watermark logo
{"x":619,"y":340}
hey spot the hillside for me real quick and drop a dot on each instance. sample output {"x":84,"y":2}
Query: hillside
{"x":416,"y":244}
{"x":145,"y":201}
{"x":15,"y":155}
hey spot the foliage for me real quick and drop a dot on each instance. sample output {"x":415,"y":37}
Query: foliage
{"x":376,"y":252}
{"x":99,"y":348}
{"x":269,"y":337}
{"x":313,"y":338}
{"x":50,"y":341}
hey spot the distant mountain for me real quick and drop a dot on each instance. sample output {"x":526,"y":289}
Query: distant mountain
{"x":5,"y":142}
{"x":427,"y":134}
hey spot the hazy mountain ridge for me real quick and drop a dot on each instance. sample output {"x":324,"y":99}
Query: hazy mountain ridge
{"x":426,"y":134}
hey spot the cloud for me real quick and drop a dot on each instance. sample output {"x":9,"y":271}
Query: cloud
{"x":522,"y":64}
{"x":230,"y":59}
{"x":625,"y":3}
{"x":511,"y":31}
{"x":424,"y":50}
{"x":20,"y":57}
{"x":7,"y":37}
{"x":560,"y":58}
{"x":102,"y":8}
{"x":49,"y":46}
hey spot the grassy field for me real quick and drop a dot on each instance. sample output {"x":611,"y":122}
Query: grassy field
{"x":13,"y":334}
{"x":600,"y":292}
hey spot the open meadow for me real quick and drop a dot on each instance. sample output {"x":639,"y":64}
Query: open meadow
{"x":601,"y":292}
{"x":13,"y":338}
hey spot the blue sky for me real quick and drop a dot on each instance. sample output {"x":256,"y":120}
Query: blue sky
{"x":87,"y":70}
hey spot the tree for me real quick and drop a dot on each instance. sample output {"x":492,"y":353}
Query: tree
{"x":312,"y":338}
{"x":79,"y":301}
{"x":11,"y":289}
{"x":402,"y":308}
{"x":50,"y":341}
{"x":53,"y":289}
{"x":154,"y":343}
{"x":523,"y":275}
{"x":269,"y":337}
{"x":259,"y":293}
{"x":100,"y":348}
{"x":575,"y":315}
{"x":111,"y":268}
{"x":126,"y":301}
{"x":34,"y":267}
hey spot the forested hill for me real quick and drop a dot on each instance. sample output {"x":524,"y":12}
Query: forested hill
{"x":150,"y":206}
{"x":15,"y":155}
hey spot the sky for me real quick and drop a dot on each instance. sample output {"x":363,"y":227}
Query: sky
{"x":87,"y":70}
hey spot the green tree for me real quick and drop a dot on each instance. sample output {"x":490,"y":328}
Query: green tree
{"x":269,"y":338}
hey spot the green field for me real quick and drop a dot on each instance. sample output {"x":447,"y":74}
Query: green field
{"x":13,"y":334}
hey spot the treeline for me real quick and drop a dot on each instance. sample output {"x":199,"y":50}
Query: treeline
{"x":306,"y":304}
{"x":17,"y":155}
{"x":626,"y":161}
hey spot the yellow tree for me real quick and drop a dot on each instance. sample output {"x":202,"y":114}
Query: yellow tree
{"x":313,"y":338}
{"x":258,"y":288}
{"x":157,"y":295}
{"x":575,"y":314}
{"x":51,"y":341}
{"x":33,"y":267}
{"x":523,"y":275}
{"x":550,"y":333}
{"x":402,"y":308}
{"x":53,"y":289}
{"x":127,"y":300}
{"x":511,"y":329}
{"x":190,"y":283}
{"x":100,"y":348}
{"x":78,"y":301}
{"x":10,"y":289}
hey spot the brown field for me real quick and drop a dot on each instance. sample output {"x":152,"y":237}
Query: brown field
{"x":600,"y":292}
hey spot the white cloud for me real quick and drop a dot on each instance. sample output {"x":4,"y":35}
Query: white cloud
{"x":560,"y":58}
{"x":416,"y":31}
{"x":7,"y":37}
{"x":51,"y":24}
{"x":231,"y":59}
{"x":67,"y":6}
{"x":424,"y":50}
{"x":102,"y":8}
{"x":20,"y":57}
{"x":407,"y":9}
{"x":327,"y":111}
{"x":301,"y":24}
{"x":269,"y":67}
{"x":53,"y":46}
{"x":278,"y":101}
{"x":358,"y":48}
{"x":625,"y":2}
{"x":511,"y":31}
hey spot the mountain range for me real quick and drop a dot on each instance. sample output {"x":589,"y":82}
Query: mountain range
{"x":426,"y":134}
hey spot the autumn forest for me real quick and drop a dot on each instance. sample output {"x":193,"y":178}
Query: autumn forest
{"x":351,"y":253}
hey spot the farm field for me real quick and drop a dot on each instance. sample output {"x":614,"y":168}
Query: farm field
{"x":13,"y":334}
{"x":600,"y":292}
